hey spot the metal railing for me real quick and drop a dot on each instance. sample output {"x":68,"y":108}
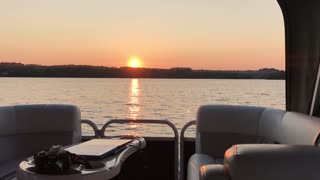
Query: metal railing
{"x":182,"y":137}
{"x":101,"y":133}
{"x":93,"y":126}
{"x":150,"y":121}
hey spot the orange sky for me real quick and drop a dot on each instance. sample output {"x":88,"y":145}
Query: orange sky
{"x":207,"y":34}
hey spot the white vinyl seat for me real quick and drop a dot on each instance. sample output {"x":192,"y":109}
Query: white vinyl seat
{"x":220,"y":127}
{"x":266,"y":162}
{"x":27,"y":129}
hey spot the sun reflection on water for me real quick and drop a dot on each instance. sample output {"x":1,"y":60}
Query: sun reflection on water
{"x":134,"y":102}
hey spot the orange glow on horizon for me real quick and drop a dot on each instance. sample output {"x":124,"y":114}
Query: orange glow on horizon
{"x":115,"y":34}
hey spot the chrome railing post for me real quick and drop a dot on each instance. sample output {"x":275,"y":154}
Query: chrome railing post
{"x":93,"y":126}
{"x":183,"y":130}
{"x":151,"y":121}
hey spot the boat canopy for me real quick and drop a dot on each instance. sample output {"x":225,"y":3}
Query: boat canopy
{"x":302,"y":33}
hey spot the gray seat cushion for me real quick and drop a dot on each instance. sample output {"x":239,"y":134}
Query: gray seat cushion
{"x":276,"y":162}
{"x":27,"y":129}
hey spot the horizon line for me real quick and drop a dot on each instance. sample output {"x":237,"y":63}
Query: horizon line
{"x":6,"y":62}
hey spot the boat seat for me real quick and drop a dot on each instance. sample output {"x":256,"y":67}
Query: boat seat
{"x":219,"y":127}
{"x":266,"y":162}
{"x":27,"y":129}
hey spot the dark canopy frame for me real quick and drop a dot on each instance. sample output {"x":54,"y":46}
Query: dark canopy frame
{"x":302,"y":33}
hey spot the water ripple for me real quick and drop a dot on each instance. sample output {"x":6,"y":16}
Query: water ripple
{"x":173,"y":99}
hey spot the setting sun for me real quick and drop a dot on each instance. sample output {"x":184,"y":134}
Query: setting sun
{"x":134,"y":62}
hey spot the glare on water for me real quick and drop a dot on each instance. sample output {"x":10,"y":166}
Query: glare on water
{"x":134,"y":109}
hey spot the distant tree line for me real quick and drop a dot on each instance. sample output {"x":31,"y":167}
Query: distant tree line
{"x":31,"y":70}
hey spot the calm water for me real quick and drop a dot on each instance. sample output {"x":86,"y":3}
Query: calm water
{"x":173,"y":99}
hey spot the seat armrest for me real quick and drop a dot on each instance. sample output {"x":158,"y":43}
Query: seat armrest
{"x":213,"y":172}
{"x":195,"y":163}
{"x":276,"y":162}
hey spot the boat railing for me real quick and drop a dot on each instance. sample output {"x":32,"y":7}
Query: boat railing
{"x":182,"y":139}
{"x":100,"y":133}
{"x":94,"y":127}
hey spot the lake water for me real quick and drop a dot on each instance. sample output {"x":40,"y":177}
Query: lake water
{"x":174,"y":99}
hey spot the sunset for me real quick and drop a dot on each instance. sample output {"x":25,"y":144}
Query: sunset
{"x":159,"y":89}
{"x":164,"y":34}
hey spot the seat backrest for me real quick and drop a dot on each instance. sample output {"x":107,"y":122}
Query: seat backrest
{"x":221,"y":126}
{"x":27,"y":129}
{"x":272,"y":161}
{"x":289,"y":127}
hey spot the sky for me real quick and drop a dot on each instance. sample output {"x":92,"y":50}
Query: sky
{"x":201,"y":34}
